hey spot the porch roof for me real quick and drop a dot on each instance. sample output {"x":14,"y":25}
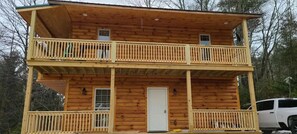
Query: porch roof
{"x":55,"y":19}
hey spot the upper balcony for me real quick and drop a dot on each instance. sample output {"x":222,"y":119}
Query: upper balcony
{"x":63,"y":50}
{"x":140,"y":38}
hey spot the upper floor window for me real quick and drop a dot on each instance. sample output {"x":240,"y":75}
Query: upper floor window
{"x":204,"y":39}
{"x":104,"y":34}
{"x":103,"y":51}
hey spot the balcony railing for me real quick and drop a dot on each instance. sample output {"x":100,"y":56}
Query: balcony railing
{"x":148,"y":52}
{"x":210,"y":119}
{"x":97,"y":121}
{"x":67,"y":121}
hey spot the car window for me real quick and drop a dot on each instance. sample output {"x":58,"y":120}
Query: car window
{"x":265,"y":105}
{"x":287,"y":103}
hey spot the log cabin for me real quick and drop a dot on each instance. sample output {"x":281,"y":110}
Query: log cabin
{"x":138,"y":70}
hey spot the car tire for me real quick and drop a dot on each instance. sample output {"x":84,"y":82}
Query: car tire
{"x":267,"y":131}
{"x":293,"y":127}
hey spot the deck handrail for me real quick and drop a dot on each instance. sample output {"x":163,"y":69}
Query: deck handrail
{"x":130,"y":51}
{"x":67,"y":121}
{"x":219,"y":119}
{"x":138,"y":42}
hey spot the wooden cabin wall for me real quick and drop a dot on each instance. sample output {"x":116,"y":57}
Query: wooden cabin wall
{"x":131,"y":101}
{"x":151,"y":34}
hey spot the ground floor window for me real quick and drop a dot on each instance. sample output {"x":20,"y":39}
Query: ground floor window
{"x":102,"y":102}
{"x":102,"y":98}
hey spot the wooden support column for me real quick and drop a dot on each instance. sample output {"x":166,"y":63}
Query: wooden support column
{"x":27,"y":100}
{"x":112,"y":101}
{"x":188,"y":54}
{"x":189,"y":101}
{"x":253,"y":99}
{"x":31,"y":35}
{"x":113,"y":51}
{"x":246,"y":41}
{"x":250,"y":74}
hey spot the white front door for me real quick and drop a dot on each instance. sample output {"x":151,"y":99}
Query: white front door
{"x":157,"y":109}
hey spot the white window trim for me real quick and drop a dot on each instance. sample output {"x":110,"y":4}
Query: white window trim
{"x":94,"y":117}
{"x":103,"y":29}
{"x":95,"y":97}
{"x":200,"y":38}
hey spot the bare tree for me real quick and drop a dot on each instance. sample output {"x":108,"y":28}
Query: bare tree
{"x":146,"y":3}
{"x":179,"y":4}
{"x":204,"y":5}
{"x":15,"y":27}
{"x":270,"y":35}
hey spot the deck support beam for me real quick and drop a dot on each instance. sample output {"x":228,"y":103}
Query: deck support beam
{"x":112,"y":101}
{"x":31,"y":35}
{"x":253,"y":100}
{"x":189,"y":101}
{"x":27,"y":100}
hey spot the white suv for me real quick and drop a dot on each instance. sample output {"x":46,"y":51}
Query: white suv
{"x":277,"y":114}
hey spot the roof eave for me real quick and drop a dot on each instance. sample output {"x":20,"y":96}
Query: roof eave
{"x":36,"y":7}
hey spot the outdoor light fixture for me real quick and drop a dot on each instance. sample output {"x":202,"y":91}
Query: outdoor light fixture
{"x":84,"y":91}
{"x":85,"y":14}
{"x":174,"y":92}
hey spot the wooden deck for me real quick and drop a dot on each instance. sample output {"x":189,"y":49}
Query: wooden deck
{"x":139,"y":52}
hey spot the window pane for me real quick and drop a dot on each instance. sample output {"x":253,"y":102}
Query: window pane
{"x":102,"y":99}
{"x":265,"y":105}
{"x":104,"y":32}
{"x":287,"y":103}
{"x":204,"y":39}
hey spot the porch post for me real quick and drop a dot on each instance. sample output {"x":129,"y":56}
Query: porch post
{"x":250,"y":74}
{"x":112,"y":101}
{"x":27,"y":100}
{"x":189,"y":101}
{"x":253,"y":100}
{"x":31,"y":35}
{"x":246,"y":41}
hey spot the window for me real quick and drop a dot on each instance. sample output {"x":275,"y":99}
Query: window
{"x":102,"y":98}
{"x":287,"y":103}
{"x":265,"y":105}
{"x":204,"y":39}
{"x":104,"y":34}
{"x":103,"y":51}
{"x":205,"y":52}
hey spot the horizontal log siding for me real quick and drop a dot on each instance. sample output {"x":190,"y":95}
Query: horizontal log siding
{"x":151,"y":34}
{"x":131,"y":97}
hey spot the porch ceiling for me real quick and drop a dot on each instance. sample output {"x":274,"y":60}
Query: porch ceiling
{"x":57,"y":20}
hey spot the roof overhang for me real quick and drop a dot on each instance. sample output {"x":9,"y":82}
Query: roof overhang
{"x":58,"y":16}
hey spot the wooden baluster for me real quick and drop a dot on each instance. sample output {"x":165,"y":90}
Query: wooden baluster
{"x":94,"y":51}
{"x":55,"y":49}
